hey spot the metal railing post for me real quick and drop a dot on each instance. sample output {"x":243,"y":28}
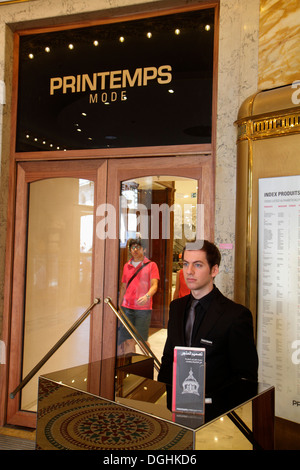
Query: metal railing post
{"x":54,"y":348}
{"x":133,"y":332}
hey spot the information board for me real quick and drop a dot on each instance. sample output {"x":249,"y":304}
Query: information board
{"x":278,"y":320}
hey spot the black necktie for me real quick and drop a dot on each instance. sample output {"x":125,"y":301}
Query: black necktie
{"x":190,"y":322}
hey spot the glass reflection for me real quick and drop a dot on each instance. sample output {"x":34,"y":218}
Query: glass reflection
{"x":58,"y":277}
{"x":162,"y":211}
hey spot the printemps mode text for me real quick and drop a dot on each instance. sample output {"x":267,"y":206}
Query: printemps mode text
{"x":111,"y":80}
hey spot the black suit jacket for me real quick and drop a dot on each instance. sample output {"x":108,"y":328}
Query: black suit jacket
{"x":227,"y":335}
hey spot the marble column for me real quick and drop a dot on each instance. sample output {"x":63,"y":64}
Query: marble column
{"x":237,"y":79}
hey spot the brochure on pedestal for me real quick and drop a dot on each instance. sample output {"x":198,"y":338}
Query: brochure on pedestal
{"x":188,"y":395}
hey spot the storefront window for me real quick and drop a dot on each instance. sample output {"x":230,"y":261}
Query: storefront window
{"x":135,"y":83}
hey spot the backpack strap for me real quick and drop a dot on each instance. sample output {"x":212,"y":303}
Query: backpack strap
{"x":136,"y":273}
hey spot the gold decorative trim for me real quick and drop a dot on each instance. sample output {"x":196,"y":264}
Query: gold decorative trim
{"x":269,"y":125}
{"x":249,"y":222}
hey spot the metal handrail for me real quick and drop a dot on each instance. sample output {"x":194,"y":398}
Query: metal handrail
{"x":54,"y":348}
{"x":134,"y":333}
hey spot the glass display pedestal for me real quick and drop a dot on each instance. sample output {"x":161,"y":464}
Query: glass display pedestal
{"x":115,"y":404}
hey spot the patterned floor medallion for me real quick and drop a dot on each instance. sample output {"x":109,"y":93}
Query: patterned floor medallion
{"x":69,"y":419}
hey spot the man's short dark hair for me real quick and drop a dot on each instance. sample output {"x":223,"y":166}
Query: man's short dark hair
{"x":212,"y":252}
{"x":135,"y":241}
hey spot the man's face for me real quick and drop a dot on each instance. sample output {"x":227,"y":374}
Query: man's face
{"x":137,"y":252}
{"x":197,"y":273}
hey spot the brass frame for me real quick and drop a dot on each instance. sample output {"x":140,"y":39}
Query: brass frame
{"x":269,"y":125}
{"x":260,"y":126}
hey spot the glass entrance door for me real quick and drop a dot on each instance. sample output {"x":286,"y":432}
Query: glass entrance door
{"x":58,"y":271}
{"x":73,"y":220}
{"x":164,"y":202}
{"x":58,"y":275}
{"x":160,"y":212}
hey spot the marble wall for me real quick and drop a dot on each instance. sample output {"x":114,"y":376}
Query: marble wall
{"x":237,"y":79}
{"x":279,"y":45}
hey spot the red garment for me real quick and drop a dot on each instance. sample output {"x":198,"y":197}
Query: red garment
{"x":140,"y":284}
{"x":183,"y":288}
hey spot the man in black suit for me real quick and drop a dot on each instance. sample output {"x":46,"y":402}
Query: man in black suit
{"x":221,"y":326}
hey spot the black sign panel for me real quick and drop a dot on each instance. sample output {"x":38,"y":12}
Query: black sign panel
{"x":131,"y":84}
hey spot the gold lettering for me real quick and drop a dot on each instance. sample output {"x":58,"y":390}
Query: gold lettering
{"x":86,"y":80}
{"x":150,"y":73}
{"x":131,"y":81}
{"x":104,"y":97}
{"x":113,"y":96}
{"x":103,"y":75}
{"x":55,"y":84}
{"x":69,"y":82}
{"x":117,"y":79}
{"x":94,"y":99}
{"x":78,"y":83}
{"x":114,"y":79}
{"x":123,"y":95}
{"x":166,"y":74}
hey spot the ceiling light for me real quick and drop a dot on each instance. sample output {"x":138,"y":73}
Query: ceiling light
{"x":47,"y":49}
{"x":207,"y":27}
{"x":149,"y":35}
{"x":122,"y":39}
{"x":71,"y":46}
{"x":177,"y":31}
{"x":31,"y":56}
{"x":96,"y":43}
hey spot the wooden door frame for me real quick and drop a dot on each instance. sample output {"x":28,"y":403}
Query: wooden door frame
{"x":107,"y":174}
{"x":29,"y":172}
{"x":198,"y":167}
{"x":193,"y":152}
